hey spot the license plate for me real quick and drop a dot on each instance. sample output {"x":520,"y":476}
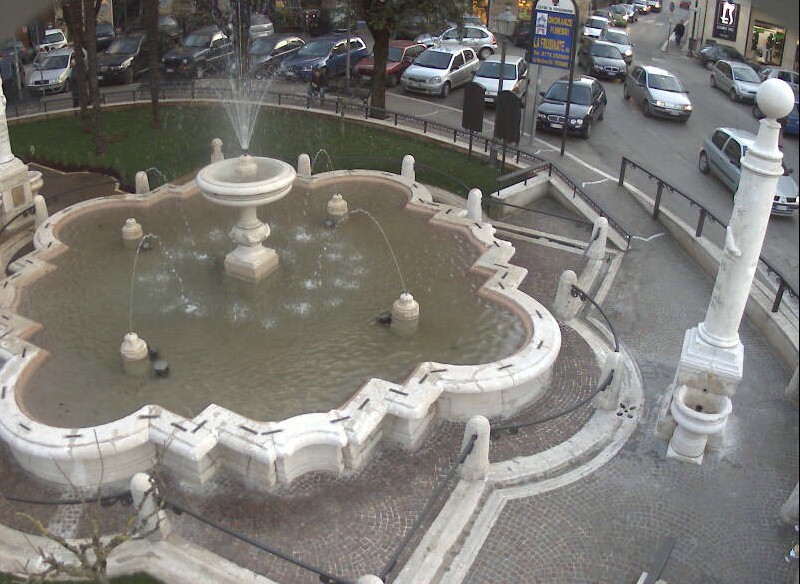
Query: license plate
{"x":557,"y":126}
{"x":168,"y":70}
{"x":99,"y":77}
{"x":673,"y":113}
{"x":781,"y":208}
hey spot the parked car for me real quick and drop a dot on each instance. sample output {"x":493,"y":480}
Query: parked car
{"x":260,"y":25}
{"x":268,"y":52}
{"x":53,"y":73}
{"x":104,"y":35}
{"x":789,"y":123}
{"x":622,"y":41}
{"x":416,"y":25}
{"x":125,"y":59}
{"x":603,"y":14}
{"x":169,"y":26}
{"x":10,"y":47}
{"x":787,"y":75}
{"x":328,"y":53}
{"x":54,"y":39}
{"x":515,"y":77}
{"x":738,"y":80}
{"x":401,"y":55}
{"x":587,"y":107}
{"x":441,"y":69}
{"x":478,"y":38}
{"x":522,"y":36}
{"x":658,"y":91}
{"x":655,"y":5}
{"x":602,"y":59}
{"x":594,"y":27}
{"x":12,"y":73}
{"x":203,"y":51}
{"x":722,"y":154}
{"x":641,"y":6}
{"x":711,"y":52}
{"x":619,"y":15}
{"x":633,"y":14}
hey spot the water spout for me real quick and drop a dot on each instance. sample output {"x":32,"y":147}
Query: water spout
{"x":327,"y":156}
{"x":388,"y":245}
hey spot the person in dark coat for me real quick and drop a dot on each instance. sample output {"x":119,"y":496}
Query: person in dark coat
{"x":679,"y":31}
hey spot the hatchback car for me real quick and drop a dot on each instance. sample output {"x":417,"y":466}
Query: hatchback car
{"x":54,"y":39}
{"x":478,"y":38}
{"x":53,"y":73}
{"x":267,"y":53}
{"x":328,"y":53}
{"x":711,"y":52}
{"x":594,"y":27}
{"x":789,"y":123}
{"x":738,"y":80}
{"x":602,"y":59}
{"x":588,"y":105}
{"x":659,"y":92}
{"x":515,"y":77}
{"x":787,"y":75}
{"x":401,"y":55}
{"x":126,"y":58}
{"x":641,"y":6}
{"x":260,"y":25}
{"x":619,"y":15}
{"x":633,"y":14}
{"x":655,"y":5}
{"x":104,"y":35}
{"x":722,"y":155}
{"x":441,"y":69}
{"x":622,"y":41}
{"x":204,"y":50}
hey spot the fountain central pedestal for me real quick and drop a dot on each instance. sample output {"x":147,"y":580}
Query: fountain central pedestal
{"x":247,"y":182}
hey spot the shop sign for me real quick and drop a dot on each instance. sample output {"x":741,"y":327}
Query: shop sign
{"x":726,"y":20}
{"x":553,"y":25}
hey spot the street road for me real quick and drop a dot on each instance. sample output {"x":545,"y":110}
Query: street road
{"x":667,"y":148}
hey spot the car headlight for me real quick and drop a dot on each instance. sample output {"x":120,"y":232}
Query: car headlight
{"x":659,"y":103}
{"x":435,"y":80}
{"x":541,"y":116}
{"x":687,"y":107}
{"x":628,"y":53}
{"x":597,"y":67}
{"x":576,"y":121}
{"x":185,"y":61}
{"x":308,"y":67}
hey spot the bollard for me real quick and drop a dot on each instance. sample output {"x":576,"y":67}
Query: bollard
{"x":566,"y":306}
{"x":153,"y":521}
{"x":40,"y":208}
{"x":304,"y":165}
{"x":476,"y":465}
{"x":597,"y":243}
{"x":608,"y":399}
{"x":407,"y":168}
{"x":216,"y":150}
{"x":142,"y":183}
{"x":474,"y":210}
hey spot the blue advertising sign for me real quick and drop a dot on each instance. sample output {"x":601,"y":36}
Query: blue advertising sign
{"x":552,"y":25}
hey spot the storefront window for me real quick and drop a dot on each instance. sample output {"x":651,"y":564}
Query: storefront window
{"x":767,"y":42}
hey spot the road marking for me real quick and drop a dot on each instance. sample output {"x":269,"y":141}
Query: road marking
{"x":647,"y":238}
{"x":593,"y":182}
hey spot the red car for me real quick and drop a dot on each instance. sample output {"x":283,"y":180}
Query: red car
{"x":401,"y":55}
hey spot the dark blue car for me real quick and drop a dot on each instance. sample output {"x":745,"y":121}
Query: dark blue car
{"x":791,"y":123}
{"x":328,"y":53}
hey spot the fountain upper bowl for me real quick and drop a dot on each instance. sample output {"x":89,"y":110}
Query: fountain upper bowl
{"x":246,"y":181}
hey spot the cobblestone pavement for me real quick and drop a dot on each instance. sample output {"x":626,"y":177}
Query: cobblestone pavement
{"x":601,"y":529}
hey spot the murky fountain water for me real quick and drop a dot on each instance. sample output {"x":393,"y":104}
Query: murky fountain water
{"x":303,"y":339}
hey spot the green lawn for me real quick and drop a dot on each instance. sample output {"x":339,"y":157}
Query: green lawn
{"x":132,"y":579}
{"x":183,"y":144}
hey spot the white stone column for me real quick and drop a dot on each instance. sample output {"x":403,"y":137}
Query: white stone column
{"x":608,"y":399}
{"x":153,"y":522}
{"x":476,"y":465}
{"x":142,"y":183}
{"x":474,"y":210}
{"x":566,"y":306}
{"x":40,"y":210}
{"x":599,"y":239}
{"x":216,"y":150}
{"x":407,"y":168}
{"x":304,"y":165}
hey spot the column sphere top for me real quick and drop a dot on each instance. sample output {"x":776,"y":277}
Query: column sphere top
{"x":775,"y":98}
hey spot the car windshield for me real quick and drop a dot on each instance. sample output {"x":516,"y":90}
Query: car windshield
{"x":123,"y":47}
{"x":581,"y":94}
{"x":55,"y":62}
{"x":395,"y":54}
{"x":618,"y":10}
{"x":316,"y":49}
{"x":665,"y":83}
{"x":745,"y":74}
{"x":606,"y":51}
{"x":491,"y":70}
{"x":434,"y":60}
{"x":197,"y":41}
{"x":619,"y":38}
{"x":595,"y":23}
{"x":167,"y":21}
{"x":53,"y":37}
{"x":262,"y":46}
{"x":104,"y":29}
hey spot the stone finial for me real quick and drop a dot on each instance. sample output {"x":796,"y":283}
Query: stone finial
{"x":134,"y":353}
{"x":304,"y":165}
{"x":40,"y":208}
{"x":474,"y":210}
{"x":789,"y":509}
{"x":566,"y":306}
{"x":337,"y":207}
{"x":216,"y":150}
{"x":142,"y":183}
{"x":609,"y":397}
{"x":407,"y":168}
{"x":132,"y":232}
{"x":405,"y":314}
{"x":153,"y":521}
{"x":476,"y":465}
{"x":598,"y":241}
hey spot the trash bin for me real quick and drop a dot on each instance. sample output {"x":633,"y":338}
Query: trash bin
{"x":506,"y":22}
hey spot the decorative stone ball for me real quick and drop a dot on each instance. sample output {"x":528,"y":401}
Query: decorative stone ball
{"x":775,"y":98}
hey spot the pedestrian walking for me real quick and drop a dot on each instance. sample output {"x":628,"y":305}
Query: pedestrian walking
{"x":679,"y":31}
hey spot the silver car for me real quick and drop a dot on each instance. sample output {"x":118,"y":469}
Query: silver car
{"x":738,"y":80}
{"x":438,"y":70}
{"x":515,"y":77}
{"x":787,"y":75}
{"x":658,"y":91}
{"x":478,"y":38}
{"x":722,"y":155}
{"x":622,"y":41}
{"x":53,"y":73}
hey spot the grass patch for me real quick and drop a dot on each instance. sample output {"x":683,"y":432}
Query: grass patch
{"x":140,"y":578}
{"x":182,"y":145}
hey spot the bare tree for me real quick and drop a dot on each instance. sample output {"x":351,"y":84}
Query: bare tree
{"x":90,"y":8}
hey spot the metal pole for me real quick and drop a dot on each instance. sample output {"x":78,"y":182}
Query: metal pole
{"x":571,"y":76}
{"x":502,"y":68}
{"x":347,"y":65}
{"x":669,"y":30}
{"x":535,"y":110}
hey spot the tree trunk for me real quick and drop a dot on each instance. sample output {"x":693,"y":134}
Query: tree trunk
{"x":151,"y":20}
{"x":98,"y":134}
{"x":381,"y":36}
{"x":72,"y":15}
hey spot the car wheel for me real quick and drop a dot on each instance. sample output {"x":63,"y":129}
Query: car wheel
{"x":646,"y":108}
{"x":757,"y":111}
{"x":200,"y":72}
{"x":625,"y":94}
{"x":445,"y":89}
{"x":587,"y":131}
{"x":602,"y":113}
{"x":712,"y":81}
{"x":702,"y":162}
{"x":67,"y":85}
{"x":733,"y":96}
{"x":485,"y":53}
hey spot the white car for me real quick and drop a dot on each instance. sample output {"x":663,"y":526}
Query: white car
{"x":54,"y":39}
{"x":53,"y":73}
{"x":515,"y":77}
{"x":595,"y":27}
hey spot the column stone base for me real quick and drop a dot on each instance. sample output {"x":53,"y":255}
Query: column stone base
{"x":249,"y":264}
{"x":705,"y":366}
